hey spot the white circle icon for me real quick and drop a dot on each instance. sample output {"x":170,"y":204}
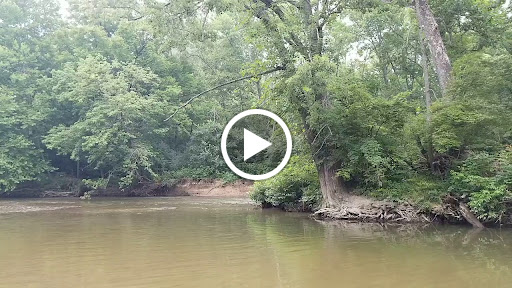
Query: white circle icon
{"x":254,"y":144}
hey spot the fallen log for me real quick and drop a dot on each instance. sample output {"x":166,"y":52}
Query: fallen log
{"x":464,"y":210}
{"x":469,"y":216}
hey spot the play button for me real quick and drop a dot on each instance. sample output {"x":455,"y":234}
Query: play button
{"x":254,"y":144}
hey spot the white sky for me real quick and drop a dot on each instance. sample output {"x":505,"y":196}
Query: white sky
{"x":64,"y":8}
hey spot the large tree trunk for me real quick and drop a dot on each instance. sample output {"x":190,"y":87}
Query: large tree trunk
{"x":428,"y":100}
{"x":438,"y":51}
{"x":315,"y":16}
{"x":331,"y":185}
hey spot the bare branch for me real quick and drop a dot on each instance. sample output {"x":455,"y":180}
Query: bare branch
{"x":137,"y":18}
{"x":278,"y":68}
{"x":325,"y":139}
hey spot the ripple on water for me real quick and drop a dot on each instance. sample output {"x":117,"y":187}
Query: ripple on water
{"x":21,"y":208}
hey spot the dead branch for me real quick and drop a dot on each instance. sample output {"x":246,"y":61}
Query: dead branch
{"x":278,"y":68}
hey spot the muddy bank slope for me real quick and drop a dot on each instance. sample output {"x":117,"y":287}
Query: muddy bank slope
{"x":185,"y":187}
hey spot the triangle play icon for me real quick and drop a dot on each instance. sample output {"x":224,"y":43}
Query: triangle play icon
{"x":253,"y":144}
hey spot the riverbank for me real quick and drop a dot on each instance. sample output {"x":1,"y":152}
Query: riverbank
{"x":365,"y":209}
{"x":184,"y":187}
{"x":356,"y":208}
{"x":350,"y":207}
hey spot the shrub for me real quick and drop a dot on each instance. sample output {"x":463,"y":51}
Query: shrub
{"x":295,"y":188}
{"x":421,"y":190}
{"x":485,"y":178}
{"x":489,"y":203}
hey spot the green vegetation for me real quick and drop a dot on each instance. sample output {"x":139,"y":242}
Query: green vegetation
{"x":294,"y":188}
{"x":487,"y":179}
{"x":123,"y":93}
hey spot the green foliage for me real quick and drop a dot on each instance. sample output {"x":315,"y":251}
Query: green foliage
{"x":475,"y":120}
{"x":478,"y":113}
{"x":472,"y":25}
{"x":20,"y":159}
{"x":100,"y":183}
{"x":485,"y":179}
{"x":460,"y":125}
{"x":425,"y":191}
{"x":361,"y":131}
{"x":296,"y":187}
{"x":490,"y":203}
{"x":119,"y":119}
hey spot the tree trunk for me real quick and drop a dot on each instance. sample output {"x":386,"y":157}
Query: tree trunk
{"x":428,"y":100}
{"x":385,"y":74}
{"x":438,"y":51}
{"x":331,"y":185}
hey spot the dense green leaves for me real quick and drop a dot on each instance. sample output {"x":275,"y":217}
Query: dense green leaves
{"x":486,"y":180}
{"x":295,"y":188}
{"x":119,"y":118}
{"x":20,"y":159}
{"x":479,"y":112}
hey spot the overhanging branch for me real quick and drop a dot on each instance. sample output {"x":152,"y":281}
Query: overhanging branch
{"x":278,"y":68}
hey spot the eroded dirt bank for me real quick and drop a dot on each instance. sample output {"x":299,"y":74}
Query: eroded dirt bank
{"x":219,"y":188}
{"x":185,"y":187}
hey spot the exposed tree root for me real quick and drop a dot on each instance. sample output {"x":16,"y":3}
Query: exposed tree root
{"x":360,"y":208}
{"x":364,"y":209}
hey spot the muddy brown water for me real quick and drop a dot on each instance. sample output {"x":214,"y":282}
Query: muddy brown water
{"x":213,"y":242}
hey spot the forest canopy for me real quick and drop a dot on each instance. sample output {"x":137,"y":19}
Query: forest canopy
{"x":401,"y":100}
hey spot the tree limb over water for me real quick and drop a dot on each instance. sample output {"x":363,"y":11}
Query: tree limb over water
{"x":278,"y":68}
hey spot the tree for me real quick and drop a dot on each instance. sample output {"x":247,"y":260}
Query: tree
{"x":20,"y":159}
{"x":438,"y":51}
{"x":298,"y":29}
{"x":25,"y":57}
{"x":119,"y":119}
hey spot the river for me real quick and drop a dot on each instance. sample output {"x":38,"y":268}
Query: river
{"x":214,"y":242}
